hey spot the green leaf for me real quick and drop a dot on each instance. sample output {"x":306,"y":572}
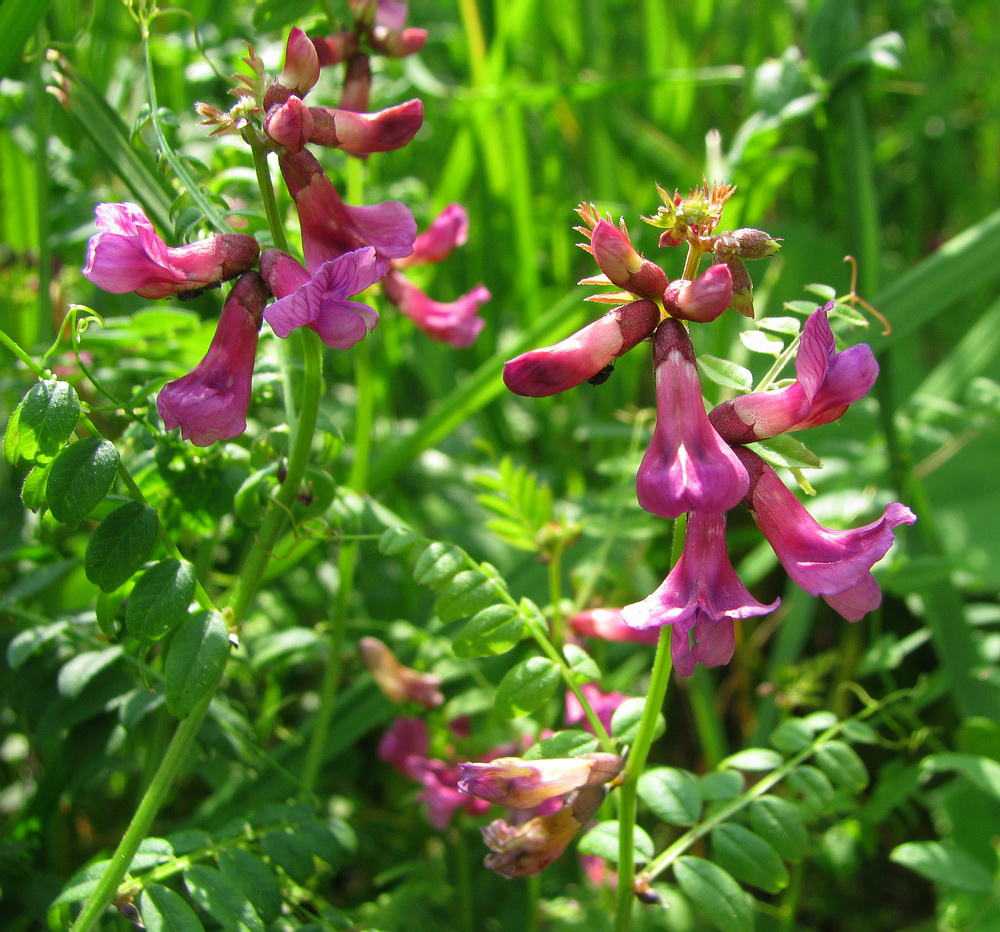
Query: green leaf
{"x":791,"y":736}
{"x":842,"y":765}
{"x":80,"y":670}
{"x":584,"y":668}
{"x":271,"y":15}
{"x":333,"y":842}
{"x":257,"y":881}
{"x":951,"y":867}
{"x":291,"y":853}
{"x":195,"y":661}
{"x":720,"y":784}
{"x":494,"y":630}
{"x":626,"y":718}
{"x":160,"y":599}
{"x":81,"y":475}
{"x":466,"y":593}
{"x":786,"y":450}
{"x":714,"y":894}
{"x":46,"y":418}
{"x":526,"y":687}
{"x":437,"y":564}
{"x":27,"y":643}
{"x":120,"y":544}
{"x":787,"y":325}
{"x":33,"y":488}
{"x":671,"y":794}
{"x":222,"y":899}
{"x":82,"y":883}
{"x":602,"y":840}
{"x":759,"y":342}
{"x":777,"y":820}
{"x":12,"y":437}
{"x":396,"y":540}
{"x":813,"y":787}
{"x":748,"y":857}
{"x":569,"y":743}
{"x":980,"y":771}
{"x":726,"y":373}
{"x":753,"y":760}
{"x":163,"y":910}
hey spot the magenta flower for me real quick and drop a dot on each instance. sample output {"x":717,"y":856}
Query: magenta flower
{"x":687,"y":466}
{"x":455,"y":322}
{"x":399,"y":683}
{"x":525,"y":784}
{"x":700,"y":599}
{"x":833,"y":564}
{"x":321,"y":301}
{"x":702,"y":300}
{"x":405,"y":744}
{"x":292,"y":124}
{"x":330,"y":228}
{"x":828,"y":382}
{"x":127,"y":255}
{"x":210,"y":402}
{"x":618,"y":260}
{"x":447,"y":231}
{"x":583,"y":355}
{"x":608,"y":625}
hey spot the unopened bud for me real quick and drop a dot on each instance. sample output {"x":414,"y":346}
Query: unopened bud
{"x":623,"y":266}
{"x":702,"y":300}
{"x":290,"y":124}
{"x":398,"y":43}
{"x":383,"y":131}
{"x":301,"y":69}
{"x":755,"y":244}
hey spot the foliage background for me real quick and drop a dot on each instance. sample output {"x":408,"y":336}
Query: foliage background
{"x":842,"y":141}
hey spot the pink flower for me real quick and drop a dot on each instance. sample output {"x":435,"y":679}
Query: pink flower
{"x":399,"y":683}
{"x":604,"y":705}
{"x":441,"y":793}
{"x":127,"y":255}
{"x":210,"y":402}
{"x":405,"y":744}
{"x":321,"y":301}
{"x":618,"y":260}
{"x":828,"y":382}
{"x":700,"y":599}
{"x":584,"y":355}
{"x":608,"y":624}
{"x":833,"y":564}
{"x":524,"y":784}
{"x":361,"y":133}
{"x":331,"y":228}
{"x":447,"y":231}
{"x":687,"y":466}
{"x":455,"y":322}
{"x":300,"y":71}
{"x":702,"y":300}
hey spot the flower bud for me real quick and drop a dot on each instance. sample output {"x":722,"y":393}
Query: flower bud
{"x":623,"y":265}
{"x":290,"y":124}
{"x":702,"y":300}
{"x":399,"y":683}
{"x":398,"y":43}
{"x":301,"y":69}
{"x":742,"y":301}
{"x":521,"y":784}
{"x":583,"y":355}
{"x":755,"y":244}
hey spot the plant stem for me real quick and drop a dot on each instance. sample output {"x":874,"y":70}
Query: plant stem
{"x":268,"y":199}
{"x":630,"y":780}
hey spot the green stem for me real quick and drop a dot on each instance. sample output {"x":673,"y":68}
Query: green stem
{"x":268,"y":198}
{"x":23,"y":356}
{"x":176,"y":753}
{"x":555,"y":596}
{"x":630,"y":781}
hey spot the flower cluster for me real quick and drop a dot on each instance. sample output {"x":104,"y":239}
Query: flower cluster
{"x":346,"y":249}
{"x":698,"y":463}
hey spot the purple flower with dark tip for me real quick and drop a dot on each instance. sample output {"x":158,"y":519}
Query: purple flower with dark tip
{"x":827,"y":383}
{"x":210,"y":402}
{"x":583,"y":355}
{"x":700,"y":599}
{"x":127,"y":255}
{"x":829,"y":563}
{"x":321,"y":301}
{"x":687,"y":466}
{"x":331,"y":228}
